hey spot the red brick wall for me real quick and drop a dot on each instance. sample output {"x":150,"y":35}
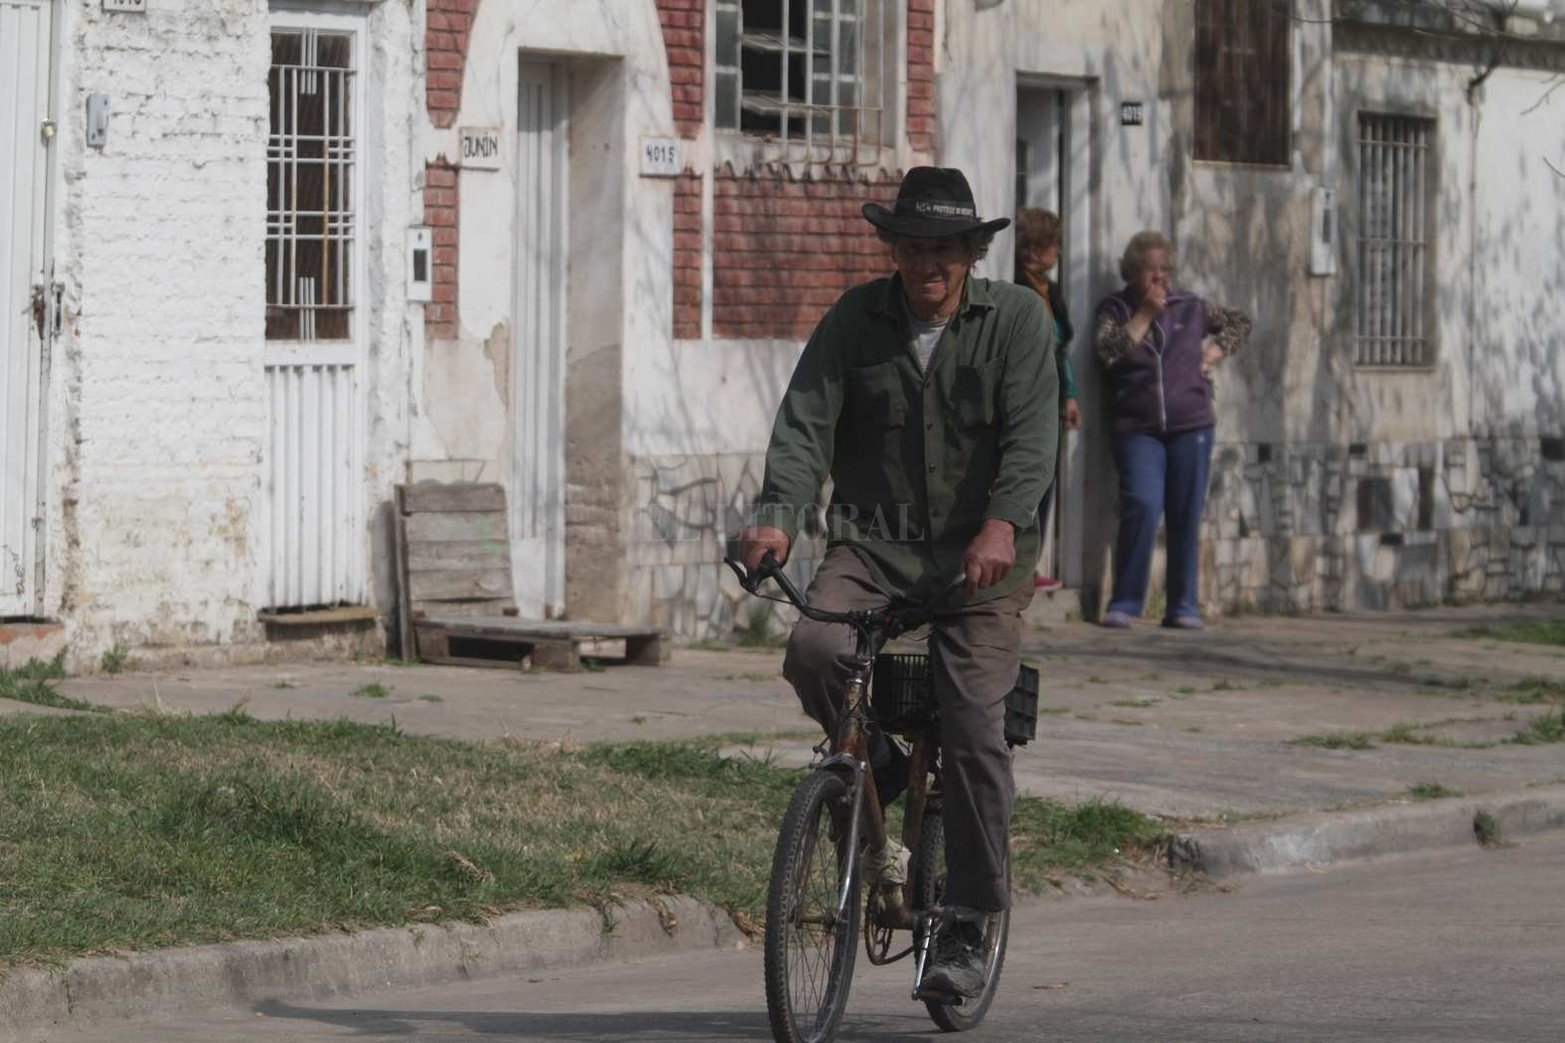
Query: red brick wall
{"x":784,"y":250}
{"x":446,"y":26}
{"x":687,"y":257}
{"x":921,"y":75}
{"x":440,"y":213}
{"x":684,"y":38}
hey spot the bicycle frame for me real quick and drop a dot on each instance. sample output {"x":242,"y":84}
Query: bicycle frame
{"x":848,"y":752}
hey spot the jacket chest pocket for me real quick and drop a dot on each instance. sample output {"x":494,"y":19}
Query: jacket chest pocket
{"x":876,"y":396}
{"x":975,"y":391}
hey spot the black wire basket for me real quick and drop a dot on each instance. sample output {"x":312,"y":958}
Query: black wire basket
{"x":1021,"y":708}
{"x":902,"y":697}
{"x":900,"y":694}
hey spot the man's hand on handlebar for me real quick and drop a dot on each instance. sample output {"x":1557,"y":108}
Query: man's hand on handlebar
{"x":990,"y":556}
{"x":754,"y":542}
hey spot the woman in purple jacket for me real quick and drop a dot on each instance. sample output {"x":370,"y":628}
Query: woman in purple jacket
{"x":1160,"y":346}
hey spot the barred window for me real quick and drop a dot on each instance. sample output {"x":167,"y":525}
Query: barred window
{"x":1395,"y":195}
{"x":1413,"y":14}
{"x":311,"y":157}
{"x":811,"y":74}
{"x":1242,"y":63}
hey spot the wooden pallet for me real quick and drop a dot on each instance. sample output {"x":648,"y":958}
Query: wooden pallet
{"x":454,"y":581}
{"x":552,"y":644}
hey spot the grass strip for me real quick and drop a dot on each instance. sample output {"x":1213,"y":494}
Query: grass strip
{"x":34,"y":684}
{"x":1533,"y":691}
{"x":1337,"y":741}
{"x":1431,"y":791}
{"x":1534,"y":632}
{"x":128,"y":831}
{"x":1542,"y":730}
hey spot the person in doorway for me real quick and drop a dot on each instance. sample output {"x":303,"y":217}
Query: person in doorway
{"x":930,"y":400}
{"x":1038,"y":254}
{"x":1161,"y":346}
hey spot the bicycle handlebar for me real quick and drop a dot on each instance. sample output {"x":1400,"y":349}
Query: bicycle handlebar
{"x":770,"y":568}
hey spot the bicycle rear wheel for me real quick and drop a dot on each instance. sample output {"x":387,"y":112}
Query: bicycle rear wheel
{"x":809,"y":949}
{"x":930,"y":879}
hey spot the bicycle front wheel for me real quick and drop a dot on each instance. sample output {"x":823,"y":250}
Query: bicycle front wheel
{"x":809,"y":948}
{"x":930,"y":879}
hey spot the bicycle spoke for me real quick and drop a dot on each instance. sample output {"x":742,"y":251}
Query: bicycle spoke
{"x":813,"y":926}
{"x":809,"y":946}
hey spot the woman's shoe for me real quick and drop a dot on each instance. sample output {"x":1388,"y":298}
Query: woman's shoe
{"x":1185,"y":623}
{"x":1045,"y":582}
{"x":1116,"y":620}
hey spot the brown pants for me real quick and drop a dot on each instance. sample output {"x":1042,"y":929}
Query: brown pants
{"x":975,"y":653}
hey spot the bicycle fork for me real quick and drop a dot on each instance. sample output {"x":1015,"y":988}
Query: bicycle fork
{"x":923,"y":941}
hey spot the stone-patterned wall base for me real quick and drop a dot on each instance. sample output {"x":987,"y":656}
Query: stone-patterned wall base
{"x":1298,"y":528}
{"x":683,"y":510}
{"x":1288,"y":528}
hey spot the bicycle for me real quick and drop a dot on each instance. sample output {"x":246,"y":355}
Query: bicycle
{"x":814,"y":911}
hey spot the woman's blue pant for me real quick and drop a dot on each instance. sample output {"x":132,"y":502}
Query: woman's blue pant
{"x":1160,"y":474}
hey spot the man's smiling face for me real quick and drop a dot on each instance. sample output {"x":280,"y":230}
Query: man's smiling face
{"x":933,"y":272}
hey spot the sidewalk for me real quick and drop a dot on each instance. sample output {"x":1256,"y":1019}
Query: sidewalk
{"x":1185,"y":725}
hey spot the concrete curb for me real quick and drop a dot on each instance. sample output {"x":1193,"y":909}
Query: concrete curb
{"x":241,"y":974}
{"x":1314,"y":841}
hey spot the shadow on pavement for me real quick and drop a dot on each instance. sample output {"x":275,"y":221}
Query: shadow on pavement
{"x":624,"y":1025}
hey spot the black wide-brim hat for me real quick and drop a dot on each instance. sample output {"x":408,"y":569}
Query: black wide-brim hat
{"x":933,"y":202}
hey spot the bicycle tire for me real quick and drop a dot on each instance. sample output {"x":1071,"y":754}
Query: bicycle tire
{"x":802,"y":1009}
{"x":930,"y":880}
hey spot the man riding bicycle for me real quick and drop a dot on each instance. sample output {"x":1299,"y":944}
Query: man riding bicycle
{"x":930,"y":399}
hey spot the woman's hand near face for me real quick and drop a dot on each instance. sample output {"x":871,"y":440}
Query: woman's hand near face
{"x":1154,"y":298}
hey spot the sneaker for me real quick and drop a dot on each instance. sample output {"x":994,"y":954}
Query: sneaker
{"x":1184,"y":623}
{"x":1116,"y":620}
{"x":1045,"y":582}
{"x":958,"y":963}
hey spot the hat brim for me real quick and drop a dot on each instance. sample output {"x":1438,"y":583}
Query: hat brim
{"x":928,"y":227}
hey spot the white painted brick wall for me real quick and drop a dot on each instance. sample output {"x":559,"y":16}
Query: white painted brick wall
{"x":158,"y":416}
{"x":158,"y":400}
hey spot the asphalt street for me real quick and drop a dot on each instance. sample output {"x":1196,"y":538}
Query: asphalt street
{"x":1461,"y":947}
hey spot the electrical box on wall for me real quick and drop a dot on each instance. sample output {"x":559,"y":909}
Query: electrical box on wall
{"x":97,"y":120}
{"x":1323,"y":232}
{"x":421,"y":265}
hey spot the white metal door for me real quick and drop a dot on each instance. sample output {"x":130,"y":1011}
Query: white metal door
{"x":538,"y":392}
{"x":1053,"y":132}
{"x":24,"y":137}
{"x":316,"y":542}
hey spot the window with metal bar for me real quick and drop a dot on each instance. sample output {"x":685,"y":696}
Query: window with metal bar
{"x":1242,"y":66}
{"x":310,"y":210}
{"x":1395,"y":196}
{"x":1414,"y":14}
{"x":810,"y":75}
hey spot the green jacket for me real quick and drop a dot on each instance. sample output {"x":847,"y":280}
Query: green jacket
{"x":919,"y":461}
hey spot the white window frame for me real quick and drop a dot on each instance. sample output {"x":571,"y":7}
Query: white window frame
{"x":350,"y":351}
{"x":1395,"y":185}
{"x":880,"y":50}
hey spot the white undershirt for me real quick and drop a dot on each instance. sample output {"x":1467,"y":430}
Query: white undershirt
{"x":923,"y":336}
